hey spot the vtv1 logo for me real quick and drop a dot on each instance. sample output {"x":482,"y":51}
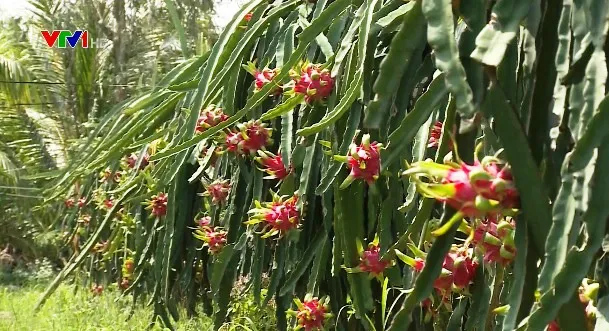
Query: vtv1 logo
{"x":63,"y":38}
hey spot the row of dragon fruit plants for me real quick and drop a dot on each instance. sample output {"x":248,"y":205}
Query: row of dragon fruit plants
{"x":348,"y":237}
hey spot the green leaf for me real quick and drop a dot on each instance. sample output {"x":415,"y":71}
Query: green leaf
{"x":440,"y":35}
{"x":494,"y":39}
{"x":283,"y":108}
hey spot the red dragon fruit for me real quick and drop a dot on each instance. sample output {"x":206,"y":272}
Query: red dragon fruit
{"x":363,"y":161}
{"x":495,"y":241}
{"x":97,"y":290}
{"x":263,"y":77}
{"x":435,"y":136}
{"x":279,"y":216}
{"x":127,"y":273}
{"x":213,"y":238}
{"x":477,"y":190}
{"x":588,"y":292}
{"x":158,"y":204}
{"x":419,"y":264}
{"x":218,"y":191}
{"x":210,"y":117}
{"x":371,"y":262}
{"x":108,"y":203}
{"x":248,"y":138}
{"x":312,"y":313}
{"x":272,"y":164}
{"x":124,"y":283}
{"x":458,"y":269}
{"x":69,"y":202}
{"x":128,"y":266}
{"x":82,"y":202}
{"x":313,"y":82}
{"x":132,"y":161}
{"x":203,"y":222}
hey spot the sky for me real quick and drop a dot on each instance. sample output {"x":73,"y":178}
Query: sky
{"x":13,"y":7}
{"x":225,"y":9}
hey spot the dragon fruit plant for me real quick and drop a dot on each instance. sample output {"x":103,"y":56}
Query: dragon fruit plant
{"x":434,"y":164}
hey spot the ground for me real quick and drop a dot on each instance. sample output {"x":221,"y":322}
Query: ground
{"x":70,"y":309}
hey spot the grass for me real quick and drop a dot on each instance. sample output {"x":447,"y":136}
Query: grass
{"x":74,"y":308}
{"x":77,"y":309}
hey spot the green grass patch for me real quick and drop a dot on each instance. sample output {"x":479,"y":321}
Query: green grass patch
{"x":72,"y":308}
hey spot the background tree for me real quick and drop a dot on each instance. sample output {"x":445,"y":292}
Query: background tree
{"x":50,"y":97}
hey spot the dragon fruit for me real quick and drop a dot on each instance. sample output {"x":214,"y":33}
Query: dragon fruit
{"x":108,"y":203}
{"x":279,"y":216}
{"x":272,"y":164}
{"x":213,"y":238}
{"x":371,"y":262}
{"x":458,"y":269}
{"x":263,"y":77}
{"x":124,"y":283}
{"x":82,"y":202}
{"x":314,"y":83}
{"x":483,"y":189}
{"x":419,"y":264}
{"x":312,"y":313}
{"x":203,"y":222}
{"x":218,"y":191}
{"x":435,"y":136}
{"x":132,"y":161}
{"x":495,"y":241}
{"x":248,"y":138}
{"x":97,"y":290}
{"x":210,"y":117}
{"x":158,"y":204}
{"x":363,"y":161}
{"x":127,"y":273}
{"x":69,"y":202}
